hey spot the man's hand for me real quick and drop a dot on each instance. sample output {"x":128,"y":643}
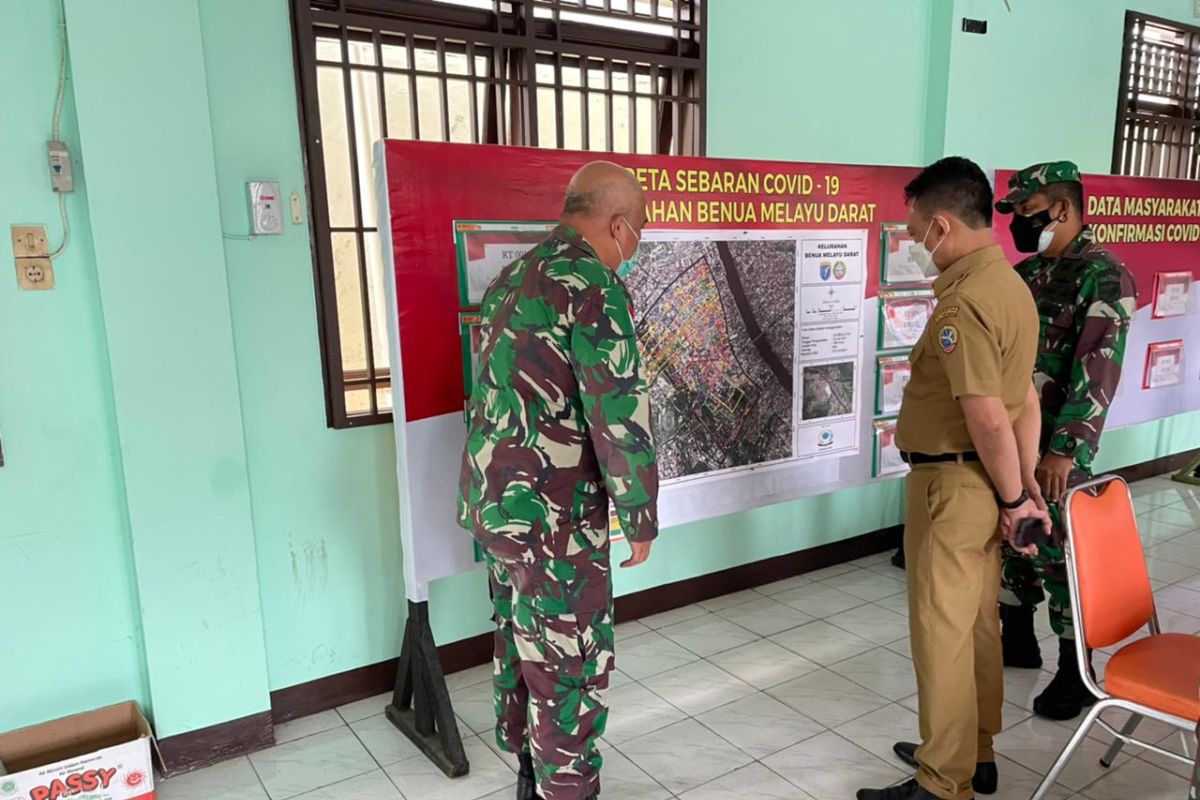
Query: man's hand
{"x":1052,"y":473}
{"x":1033,"y":488}
{"x":1010,"y":520}
{"x":640,"y":552}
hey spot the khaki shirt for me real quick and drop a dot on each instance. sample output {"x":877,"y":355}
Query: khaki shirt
{"x":982,"y":340}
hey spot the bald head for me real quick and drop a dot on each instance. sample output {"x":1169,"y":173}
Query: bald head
{"x":607,"y":205}
{"x":603,"y":189}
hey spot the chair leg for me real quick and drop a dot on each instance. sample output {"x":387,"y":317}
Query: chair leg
{"x":1065,"y":756}
{"x":1130,"y":726}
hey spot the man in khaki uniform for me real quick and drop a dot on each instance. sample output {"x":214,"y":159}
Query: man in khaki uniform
{"x":969,"y":428}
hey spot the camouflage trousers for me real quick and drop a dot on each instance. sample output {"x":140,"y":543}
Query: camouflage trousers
{"x":1030,"y":580}
{"x":553,"y":655}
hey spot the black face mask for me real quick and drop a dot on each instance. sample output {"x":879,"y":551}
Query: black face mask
{"x":1026,"y":231}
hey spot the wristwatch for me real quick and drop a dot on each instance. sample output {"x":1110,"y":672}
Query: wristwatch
{"x":1020,"y":501}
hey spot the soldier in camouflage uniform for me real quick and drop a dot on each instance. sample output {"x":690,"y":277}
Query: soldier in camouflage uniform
{"x":1085,"y":299}
{"x":559,"y":428}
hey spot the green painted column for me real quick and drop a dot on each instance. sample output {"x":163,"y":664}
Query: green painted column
{"x":145,"y":130}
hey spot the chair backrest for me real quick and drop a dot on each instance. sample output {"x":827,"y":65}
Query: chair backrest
{"x":1115,"y":598}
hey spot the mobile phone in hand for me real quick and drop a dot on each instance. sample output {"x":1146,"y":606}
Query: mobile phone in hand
{"x":1029,"y":531}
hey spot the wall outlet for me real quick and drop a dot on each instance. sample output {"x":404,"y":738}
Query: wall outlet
{"x":35,"y":274}
{"x":29,"y":241}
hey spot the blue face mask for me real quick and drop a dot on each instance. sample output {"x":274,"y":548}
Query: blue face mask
{"x":627,"y":265}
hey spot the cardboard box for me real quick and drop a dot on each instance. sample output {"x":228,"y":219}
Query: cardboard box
{"x":99,"y":755}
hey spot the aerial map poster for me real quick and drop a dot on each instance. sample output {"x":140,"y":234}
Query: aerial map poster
{"x":715,"y":320}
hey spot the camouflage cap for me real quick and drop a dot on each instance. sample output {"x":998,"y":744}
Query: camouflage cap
{"x":1029,"y":181}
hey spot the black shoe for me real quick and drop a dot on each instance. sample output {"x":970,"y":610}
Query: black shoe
{"x":986,"y":777}
{"x":526,"y":782}
{"x":1066,"y":696}
{"x":1018,"y":637}
{"x":898,"y":558}
{"x":910,"y":790}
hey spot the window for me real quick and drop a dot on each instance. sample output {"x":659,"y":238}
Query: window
{"x":619,"y":75}
{"x":1158,"y":100}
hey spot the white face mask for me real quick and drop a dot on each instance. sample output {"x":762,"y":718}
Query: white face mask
{"x":627,"y":265}
{"x":924,"y":256}
{"x":1046,"y":237}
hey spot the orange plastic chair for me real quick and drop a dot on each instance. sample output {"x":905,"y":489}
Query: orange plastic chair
{"x":1111,"y":597}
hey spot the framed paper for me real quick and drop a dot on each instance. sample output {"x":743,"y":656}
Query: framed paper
{"x":470,"y":326}
{"x":887,"y":459}
{"x":485,"y":248}
{"x":891,"y":376}
{"x":899,"y":267}
{"x":1171,"y":290}
{"x":1164,"y":364}
{"x":902,"y":317}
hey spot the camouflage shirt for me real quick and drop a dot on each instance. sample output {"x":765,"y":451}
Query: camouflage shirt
{"x":559,"y":417}
{"x":1085,"y":299}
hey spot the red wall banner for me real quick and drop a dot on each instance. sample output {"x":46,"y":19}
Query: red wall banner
{"x":433,"y":184}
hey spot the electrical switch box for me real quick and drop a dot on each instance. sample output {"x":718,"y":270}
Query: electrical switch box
{"x":29,"y":241}
{"x":266,"y":211}
{"x":60,"y":167}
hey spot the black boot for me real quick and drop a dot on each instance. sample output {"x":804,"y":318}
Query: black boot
{"x":1018,"y":637}
{"x":909,"y":790}
{"x":1066,"y":696}
{"x":986,"y":777}
{"x":526,"y":782}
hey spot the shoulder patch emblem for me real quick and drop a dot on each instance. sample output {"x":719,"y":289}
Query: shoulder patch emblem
{"x":948,"y":338}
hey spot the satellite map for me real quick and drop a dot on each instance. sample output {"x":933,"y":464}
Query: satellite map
{"x":716,"y":321}
{"x":828,"y":391}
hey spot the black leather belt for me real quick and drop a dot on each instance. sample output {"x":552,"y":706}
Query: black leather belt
{"x":912,"y":459}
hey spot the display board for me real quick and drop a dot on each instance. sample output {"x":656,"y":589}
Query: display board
{"x":773,"y":364}
{"x":1153,"y":226}
{"x":755,"y":301}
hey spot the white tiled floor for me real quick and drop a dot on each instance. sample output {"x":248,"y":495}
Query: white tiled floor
{"x":792,"y":691}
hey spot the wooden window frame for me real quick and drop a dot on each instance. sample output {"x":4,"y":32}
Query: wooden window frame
{"x":518,"y":37}
{"x":1157,"y":132}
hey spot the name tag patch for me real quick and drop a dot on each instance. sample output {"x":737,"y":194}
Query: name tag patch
{"x":948,"y":338}
{"x":945,"y":313}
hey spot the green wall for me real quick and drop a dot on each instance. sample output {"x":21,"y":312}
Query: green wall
{"x":1043,"y":82}
{"x":325,"y":518}
{"x":174,"y":513}
{"x":65,"y":551}
{"x":156,"y":237}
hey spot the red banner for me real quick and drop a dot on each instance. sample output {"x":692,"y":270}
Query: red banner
{"x":431,"y":185}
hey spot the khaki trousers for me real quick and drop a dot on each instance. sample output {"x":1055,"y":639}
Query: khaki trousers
{"x":952,"y":555}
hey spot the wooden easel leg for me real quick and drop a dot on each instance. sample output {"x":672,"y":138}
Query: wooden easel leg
{"x":420,"y":706}
{"x":1190,"y":473}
